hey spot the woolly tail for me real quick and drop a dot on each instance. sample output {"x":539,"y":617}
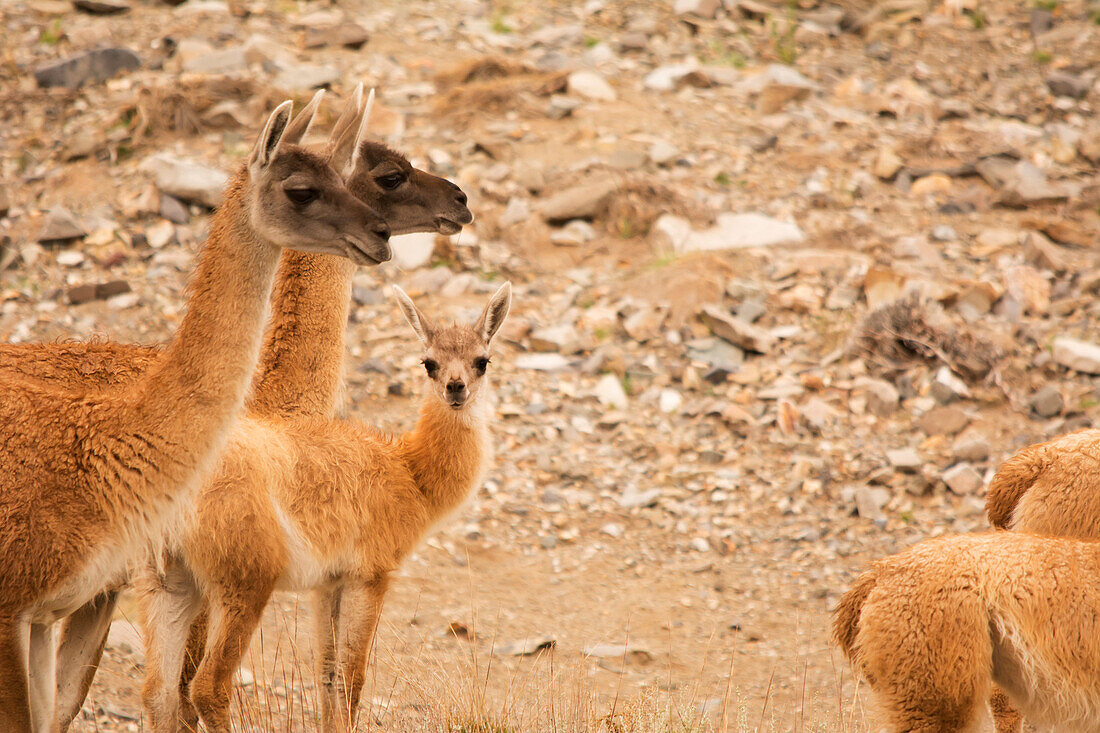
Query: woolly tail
{"x":846,"y":614}
{"x":1010,"y":484}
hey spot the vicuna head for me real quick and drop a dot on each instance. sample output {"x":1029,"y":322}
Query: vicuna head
{"x":410,"y":200}
{"x":299,"y":200}
{"x":456,"y":357}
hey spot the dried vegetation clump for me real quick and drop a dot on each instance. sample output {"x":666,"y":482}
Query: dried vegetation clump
{"x":633,"y":208}
{"x":914,"y":329}
{"x":491,"y":85}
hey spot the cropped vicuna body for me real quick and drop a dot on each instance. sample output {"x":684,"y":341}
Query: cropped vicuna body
{"x":1049,"y":488}
{"x":932,"y":629}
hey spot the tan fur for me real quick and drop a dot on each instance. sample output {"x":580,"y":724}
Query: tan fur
{"x":1048,"y":488}
{"x":301,"y":364}
{"x":89,"y":480}
{"x":940,"y":623}
{"x":306,"y":503}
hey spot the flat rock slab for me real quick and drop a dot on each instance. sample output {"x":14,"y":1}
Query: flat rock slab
{"x":1080,"y":356}
{"x":186,"y":180}
{"x":102,"y":7}
{"x":580,"y":202}
{"x":731,"y":231}
{"x":739,"y":333}
{"x":60,"y":225}
{"x":87,"y":68}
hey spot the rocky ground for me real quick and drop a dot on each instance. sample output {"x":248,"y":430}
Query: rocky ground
{"x":791,"y":281}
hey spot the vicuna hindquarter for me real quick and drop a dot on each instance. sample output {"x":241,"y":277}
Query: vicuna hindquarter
{"x":934,"y":627}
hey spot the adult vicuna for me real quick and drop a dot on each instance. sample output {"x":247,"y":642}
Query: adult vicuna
{"x":933,"y":628}
{"x":1049,"y":488}
{"x":334,"y":507}
{"x":88,"y":481}
{"x":301,"y":362}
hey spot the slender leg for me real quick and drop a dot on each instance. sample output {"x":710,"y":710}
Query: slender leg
{"x":326,"y":628}
{"x":83,"y":637}
{"x":1006,"y":718}
{"x":42,"y":666}
{"x":15,"y":711}
{"x":361,"y":609}
{"x":233,"y":619}
{"x":168,"y":603}
{"x":196,"y":647}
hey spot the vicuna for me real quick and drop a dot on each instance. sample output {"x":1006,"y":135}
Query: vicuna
{"x":333,"y":508}
{"x":1051,"y":488}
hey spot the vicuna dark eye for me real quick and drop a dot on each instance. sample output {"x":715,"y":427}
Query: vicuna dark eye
{"x":481,"y":364}
{"x":302,"y":196}
{"x":391,"y":181}
{"x":431,"y":367}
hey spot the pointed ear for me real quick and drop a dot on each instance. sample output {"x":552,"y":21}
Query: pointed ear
{"x":362,"y":131}
{"x":299,"y":126}
{"x":495,"y":313}
{"x":349,"y":114}
{"x":268,"y":142}
{"x":416,"y":319}
{"x":346,"y":132}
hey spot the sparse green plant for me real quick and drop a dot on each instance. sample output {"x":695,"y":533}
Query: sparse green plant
{"x":662,"y":261}
{"x":720,"y":53}
{"x":52,"y":34}
{"x":627,"y":228}
{"x":978,"y":19}
{"x":783,"y":43}
{"x":1050,"y":5}
{"x":591,"y":41}
{"x":723,"y":179}
{"x":1040,"y":56}
{"x":497,"y":20}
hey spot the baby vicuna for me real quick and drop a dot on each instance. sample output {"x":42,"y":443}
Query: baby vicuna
{"x":934,"y":627}
{"x":328,"y":506}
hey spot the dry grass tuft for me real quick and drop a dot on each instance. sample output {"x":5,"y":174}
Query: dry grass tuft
{"x":483,"y":68}
{"x":491,"y":85}
{"x":632,"y":209}
{"x":190,"y":106}
{"x":913,"y":329}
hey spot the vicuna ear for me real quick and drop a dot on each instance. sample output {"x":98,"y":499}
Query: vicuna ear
{"x":495,"y":313}
{"x":362,"y":131}
{"x":416,"y":319}
{"x":298,"y":128}
{"x":346,"y":132}
{"x":268,"y":142}
{"x":348,"y":115}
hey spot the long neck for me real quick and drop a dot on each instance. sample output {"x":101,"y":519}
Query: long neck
{"x":190,"y":399}
{"x":301,"y":365}
{"x":448,"y":451}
